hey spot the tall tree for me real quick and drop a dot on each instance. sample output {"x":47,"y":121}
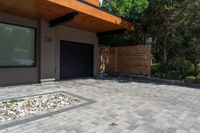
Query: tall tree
{"x":172,"y":23}
{"x":174,"y":26}
{"x":129,"y":9}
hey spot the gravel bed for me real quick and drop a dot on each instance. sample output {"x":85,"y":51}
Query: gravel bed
{"x":20,"y":107}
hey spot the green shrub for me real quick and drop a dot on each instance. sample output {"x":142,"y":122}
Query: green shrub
{"x":198,"y":75}
{"x":198,"y":68}
{"x":163,"y":68}
{"x":177,"y":68}
{"x":154,"y":68}
{"x":174,"y":74}
{"x":198,"y":78}
{"x":191,"y":69}
{"x":182,"y":66}
{"x":159,"y":70}
{"x":190,"y":79}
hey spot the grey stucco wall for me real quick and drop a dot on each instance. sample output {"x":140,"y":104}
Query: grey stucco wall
{"x":50,"y":48}
{"x":48,"y":51}
{"x":75,"y":35}
{"x":12,"y":76}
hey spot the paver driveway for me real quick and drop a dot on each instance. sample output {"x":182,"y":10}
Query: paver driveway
{"x":121,"y":107}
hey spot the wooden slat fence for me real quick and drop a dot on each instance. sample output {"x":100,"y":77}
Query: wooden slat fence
{"x":126,"y":60}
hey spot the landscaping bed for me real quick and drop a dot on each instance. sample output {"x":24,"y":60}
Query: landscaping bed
{"x":12,"y":109}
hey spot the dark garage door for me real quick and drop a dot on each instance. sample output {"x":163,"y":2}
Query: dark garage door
{"x":76,"y":60}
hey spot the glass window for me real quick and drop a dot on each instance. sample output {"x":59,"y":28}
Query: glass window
{"x":17,"y":46}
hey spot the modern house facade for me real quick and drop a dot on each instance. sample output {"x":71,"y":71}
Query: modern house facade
{"x":44,"y":40}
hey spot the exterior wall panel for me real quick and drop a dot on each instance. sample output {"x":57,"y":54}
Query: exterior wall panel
{"x":48,"y":54}
{"x":15,"y":76}
{"x":75,"y":35}
{"x":12,"y":76}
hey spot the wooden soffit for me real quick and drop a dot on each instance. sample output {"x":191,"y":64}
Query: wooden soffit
{"x":89,"y":18}
{"x":94,"y":2}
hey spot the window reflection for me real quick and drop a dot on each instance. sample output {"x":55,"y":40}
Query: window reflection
{"x":17,"y":45}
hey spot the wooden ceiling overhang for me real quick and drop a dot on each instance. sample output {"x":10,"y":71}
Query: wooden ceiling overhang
{"x":89,"y":18}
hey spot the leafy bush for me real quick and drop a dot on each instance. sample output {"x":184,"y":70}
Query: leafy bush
{"x":198,"y":68}
{"x":191,"y":69}
{"x":174,"y":74}
{"x":198,"y":78}
{"x":154,"y":68}
{"x":159,"y":70}
{"x":177,"y":68}
{"x":190,"y":79}
{"x":182,"y":65}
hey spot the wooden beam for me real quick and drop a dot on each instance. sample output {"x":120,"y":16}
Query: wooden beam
{"x":91,"y":11}
{"x":90,"y":18}
{"x":93,"y":2}
{"x":63,"y":19}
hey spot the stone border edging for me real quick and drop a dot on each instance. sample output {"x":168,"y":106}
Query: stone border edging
{"x":157,"y":80}
{"x":48,"y":114}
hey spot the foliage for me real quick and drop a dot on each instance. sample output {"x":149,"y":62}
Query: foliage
{"x":174,"y":26}
{"x":7,"y":104}
{"x":198,"y":68}
{"x":120,"y":39}
{"x":182,"y":65}
{"x":177,"y":68}
{"x":190,"y":79}
{"x":159,"y":70}
{"x":129,"y":9}
{"x":197,"y":79}
{"x":155,"y":67}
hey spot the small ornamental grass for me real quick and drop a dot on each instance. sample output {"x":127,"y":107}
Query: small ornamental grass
{"x":190,"y":79}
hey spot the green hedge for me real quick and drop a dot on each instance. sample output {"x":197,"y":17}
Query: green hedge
{"x":177,"y":68}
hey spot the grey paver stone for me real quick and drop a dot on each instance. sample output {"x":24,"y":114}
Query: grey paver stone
{"x":132,"y":106}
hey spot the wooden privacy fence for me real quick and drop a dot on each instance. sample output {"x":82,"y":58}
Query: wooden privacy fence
{"x":126,"y":60}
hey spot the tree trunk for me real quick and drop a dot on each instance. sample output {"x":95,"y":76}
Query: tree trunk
{"x":165,"y":50}
{"x":165,"y":56}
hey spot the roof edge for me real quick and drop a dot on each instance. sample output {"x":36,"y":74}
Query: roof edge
{"x":87,"y":8}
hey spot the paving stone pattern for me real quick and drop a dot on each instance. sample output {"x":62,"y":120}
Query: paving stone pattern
{"x":120,"y":107}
